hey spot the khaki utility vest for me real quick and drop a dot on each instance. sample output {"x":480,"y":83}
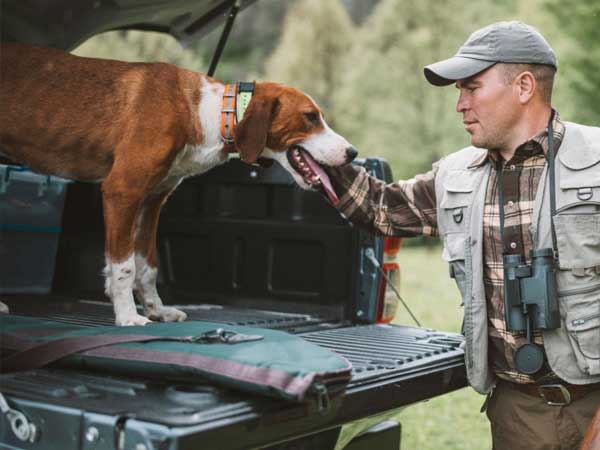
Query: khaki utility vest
{"x":573,"y":350}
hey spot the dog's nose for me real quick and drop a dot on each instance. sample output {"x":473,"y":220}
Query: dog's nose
{"x":351,"y":153}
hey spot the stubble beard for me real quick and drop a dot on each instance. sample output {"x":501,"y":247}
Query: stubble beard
{"x":493,"y":141}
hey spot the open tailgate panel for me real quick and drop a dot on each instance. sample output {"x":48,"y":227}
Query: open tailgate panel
{"x":393,"y":366}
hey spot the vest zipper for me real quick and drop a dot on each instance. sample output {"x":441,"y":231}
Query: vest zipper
{"x":584,"y":290}
{"x":583,"y":320}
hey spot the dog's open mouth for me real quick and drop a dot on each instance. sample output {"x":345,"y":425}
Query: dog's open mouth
{"x":311,"y":172}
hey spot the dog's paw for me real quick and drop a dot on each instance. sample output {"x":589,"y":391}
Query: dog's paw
{"x":132,"y":320}
{"x":167,"y":314}
{"x":3,"y":308}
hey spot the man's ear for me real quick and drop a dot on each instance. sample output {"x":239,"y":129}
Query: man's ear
{"x":251,"y":133}
{"x":527,"y":86}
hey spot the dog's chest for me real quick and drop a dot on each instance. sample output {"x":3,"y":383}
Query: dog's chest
{"x":198,"y":159}
{"x":194,"y":160}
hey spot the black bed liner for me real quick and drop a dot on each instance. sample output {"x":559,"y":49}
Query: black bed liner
{"x":300,"y":269}
{"x":375,"y":351}
{"x":95,"y":313}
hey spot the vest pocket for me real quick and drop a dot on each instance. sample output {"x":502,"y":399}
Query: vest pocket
{"x":578,"y":240}
{"x":578,"y":200}
{"x":454,"y":254}
{"x":456,"y":198}
{"x":582,"y":322}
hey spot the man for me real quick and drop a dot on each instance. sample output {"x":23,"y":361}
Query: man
{"x":504,"y":74}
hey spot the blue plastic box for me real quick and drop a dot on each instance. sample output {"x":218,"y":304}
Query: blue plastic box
{"x":31,"y":207}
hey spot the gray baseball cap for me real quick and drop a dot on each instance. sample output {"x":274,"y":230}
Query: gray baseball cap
{"x":507,"y":42}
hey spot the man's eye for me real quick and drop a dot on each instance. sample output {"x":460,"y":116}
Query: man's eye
{"x":312,"y":118}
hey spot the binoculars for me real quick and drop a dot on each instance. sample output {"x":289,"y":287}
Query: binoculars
{"x":530,"y":302}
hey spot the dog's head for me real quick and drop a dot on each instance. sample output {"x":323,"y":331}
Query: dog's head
{"x":286,"y":125}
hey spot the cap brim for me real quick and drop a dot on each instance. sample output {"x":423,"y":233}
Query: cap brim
{"x":450,"y":70}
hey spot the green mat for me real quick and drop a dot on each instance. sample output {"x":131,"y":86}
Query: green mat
{"x":256,"y":360}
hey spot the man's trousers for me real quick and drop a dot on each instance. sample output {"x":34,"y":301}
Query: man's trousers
{"x":521,"y":421}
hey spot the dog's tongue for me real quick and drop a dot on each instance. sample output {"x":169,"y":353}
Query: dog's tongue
{"x":325,"y":181}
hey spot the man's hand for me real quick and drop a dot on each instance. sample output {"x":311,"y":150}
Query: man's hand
{"x":591,"y":440}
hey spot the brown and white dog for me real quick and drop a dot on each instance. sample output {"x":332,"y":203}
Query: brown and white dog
{"x":139,"y":129}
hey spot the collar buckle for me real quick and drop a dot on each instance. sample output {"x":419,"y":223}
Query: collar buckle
{"x":236,"y":98}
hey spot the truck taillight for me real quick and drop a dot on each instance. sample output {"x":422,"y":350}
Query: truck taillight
{"x":387,"y":303}
{"x":391,"y":246}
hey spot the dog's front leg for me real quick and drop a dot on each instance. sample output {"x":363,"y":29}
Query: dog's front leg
{"x":146,"y":263}
{"x":121,"y":209}
{"x":120,"y":276}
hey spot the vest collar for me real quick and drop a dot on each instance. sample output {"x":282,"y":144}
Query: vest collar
{"x":236,"y":98}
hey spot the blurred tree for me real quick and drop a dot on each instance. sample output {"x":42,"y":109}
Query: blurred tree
{"x":384,"y":105}
{"x":579,"y":21}
{"x":316,"y":35}
{"x":537,"y":14}
{"x":359,"y":10}
{"x":140,"y":46}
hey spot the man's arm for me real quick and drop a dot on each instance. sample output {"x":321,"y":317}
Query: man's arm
{"x":591,"y":440}
{"x":404,"y":208}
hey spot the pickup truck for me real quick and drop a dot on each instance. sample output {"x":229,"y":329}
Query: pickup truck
{"x":240,"y":245}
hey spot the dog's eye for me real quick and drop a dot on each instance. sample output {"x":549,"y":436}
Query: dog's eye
{"x":313,"y":118}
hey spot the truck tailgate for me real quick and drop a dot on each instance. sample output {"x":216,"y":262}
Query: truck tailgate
{"x":394,"y":366}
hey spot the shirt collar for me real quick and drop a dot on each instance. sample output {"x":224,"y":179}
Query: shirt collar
{"x":540,"y":140}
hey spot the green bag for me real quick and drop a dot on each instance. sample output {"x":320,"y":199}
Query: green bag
{"x":255,"y":360}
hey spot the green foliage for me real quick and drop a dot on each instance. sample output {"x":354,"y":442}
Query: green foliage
{"x":384,"y":104}
{"x":316,"y":35}
{"x":139,"y":46}
{"x":579,"y":22}
{"x":359,"y":10}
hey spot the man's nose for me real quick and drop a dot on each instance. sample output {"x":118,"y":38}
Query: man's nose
{"x":351,"y":153}
{"x":461,"y":104}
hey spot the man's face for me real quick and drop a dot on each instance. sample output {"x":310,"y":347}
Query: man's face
{"x":490,"y":108}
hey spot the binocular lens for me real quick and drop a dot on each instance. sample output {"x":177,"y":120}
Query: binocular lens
{"x":529,"y":358}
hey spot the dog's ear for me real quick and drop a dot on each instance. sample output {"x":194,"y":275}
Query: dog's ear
{"x":252,"y":131}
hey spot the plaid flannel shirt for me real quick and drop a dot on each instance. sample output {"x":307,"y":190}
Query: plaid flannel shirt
{"x":408,"y":208}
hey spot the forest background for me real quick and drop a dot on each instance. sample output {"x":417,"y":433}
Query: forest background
{"x":362,"y":61}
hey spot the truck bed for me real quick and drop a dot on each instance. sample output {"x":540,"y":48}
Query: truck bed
{"x":241,"y":246}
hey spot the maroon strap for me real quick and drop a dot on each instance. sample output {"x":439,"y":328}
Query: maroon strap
{"x":40,"y":355}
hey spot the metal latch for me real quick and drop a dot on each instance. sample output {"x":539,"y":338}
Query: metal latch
{"x":25,"y":430}
{"x":223,"y":336}
{"x":323,"y":401}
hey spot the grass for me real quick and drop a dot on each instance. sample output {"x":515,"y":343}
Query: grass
{"x":452,"y":421}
